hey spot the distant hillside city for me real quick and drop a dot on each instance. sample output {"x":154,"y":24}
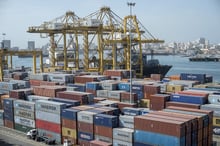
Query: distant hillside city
{"x":201,"y":46}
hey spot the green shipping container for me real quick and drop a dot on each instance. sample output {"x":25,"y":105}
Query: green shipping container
{"x":22,"y":128}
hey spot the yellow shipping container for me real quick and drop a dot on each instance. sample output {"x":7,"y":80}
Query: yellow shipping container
{"x":69,"y":132}
{"x":216,"y":121}
{"x":174,"y":88}
{"x":145,"y":103}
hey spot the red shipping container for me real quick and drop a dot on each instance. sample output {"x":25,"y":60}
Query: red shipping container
{"x":54,"y":127}
{"x":84,"y":79}
{"x":82,"y":97}
{"x":35,"y":82}
{"x":103,"y":131}
{"x":181,"y":104}
{"x":99,"y":143}
{"x":18,"y":94}
{"x":91,"y":91}
{"x":125,"y":97}
{"x":164,"y":126}
{"x":69,"y":123}
{"x":194,"y":93}
{"x":9,"y":124}
{"x":157,"y":101}
{"x":85,"y":127}
{"x":47,"y":83}
{"x":49,"y":91}
{"x":121,"y":105}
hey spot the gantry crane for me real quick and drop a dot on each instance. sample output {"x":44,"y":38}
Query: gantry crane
{"x":103,"y":28}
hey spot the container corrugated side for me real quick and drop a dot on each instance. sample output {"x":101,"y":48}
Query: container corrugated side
{"x":24,"y":113}
{"x":69,"y":132}
{"x":24,"y":105}
{"x":67,"y":101}
{"x":103,"y":138}
{"x":188,"y":99}
{"x":126,"y":121}
{"x":49,"y":126}
{"x":50,"y":106}
{"x":117,"y":142}
{"x":46,"y":116}
{"x":8,"y":102}
{"x":54,"y":135}
{"x":34,"y":98}
{"x":213,"y":107}
{"x":70,"y":113}
{"x":24,"y":121}
{"x":131,"y":111}
{"x":85,"y":116}
{"x":115,"y":94}
{"x":124,"y":134}
{"x":106,"y":120}
{"x":146,"y":137}
{"x":102,"y":93}
{"x":214,"y":98}
{"x":22,"y":128}
{"x":85,"y":136}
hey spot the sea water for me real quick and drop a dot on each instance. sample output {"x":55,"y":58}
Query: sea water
{"x":179,"y":65}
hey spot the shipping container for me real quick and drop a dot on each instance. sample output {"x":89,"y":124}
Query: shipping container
{"x":103,"y":131}
{"x":22,"y":128}
{"x":24,"y":113}
{"x":86,"y":116}
{"x":99,"y":143}
{"x":24,"y":105}
{"x":109,"y":85}
{"x":182,"y":104}
{"x":24,"y":121}
{"x":85,"y":136}
{"x":131,"y":111}
{"x":110,"y":110}
{"x":47,"y":116}
{"x":214,"y":98}
{"x":7,"y":86}
{"x":69,"y":132}
{"x":49,"y":126}
{"x":49,"y":91}
{"x":126,"y":121}
{"x":78,"y":87}
{"x":193,"y":77}
{"x":67,"y":101}
{"x":8,"y":102}
{"x":103,"y":138}
{"x":34,"y":98}
{"x":85,"y":127}
{"x":123,"y":134}
{"x":117,"y":142}
{"x":153,"y":138}
{"x":50,"y":106}
{"x":124,"y":86}
{"x":70,"y":114}
{"x":72,"y":124}
{"x":21,"y":83}
{"x":212,"y":107}
{"x":106,"y":120}
{"x":93,"y":85}
{"x":39,"y":76}
{"x":8,"y":115}
{"x":188,"y":99}
{"x":102,"y":93}
{"x":122,"y":105}
{"x":9,"y":124}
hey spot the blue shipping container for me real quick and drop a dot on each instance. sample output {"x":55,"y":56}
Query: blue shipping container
{"x":80,"y":87}
{"x":115,"y":111}
{"x":140,"y":94}
{"x":9,"y":102}
{"x":9,"y":116}
{"x":68,"y":101}
{"x":69,"y":114}
{"x":188,"y":99}
{"x":137,"y":87}
{"x":146,"y":137}
{"x":141,"y":144}
{"x":131,"y":111}
{"x":85,"y":136}
{"x":124,"y":86}
{"x":193,"y":77}
{"x":93,"y":85}
{"x":106,"y":120}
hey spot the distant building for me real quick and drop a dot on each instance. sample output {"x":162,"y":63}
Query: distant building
{"x":31,"y":45}
{"x":6,"y":44}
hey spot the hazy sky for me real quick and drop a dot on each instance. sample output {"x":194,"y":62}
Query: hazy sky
{"x":171,"y":20}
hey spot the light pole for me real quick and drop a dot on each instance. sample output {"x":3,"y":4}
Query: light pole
{"x":130,"y":5}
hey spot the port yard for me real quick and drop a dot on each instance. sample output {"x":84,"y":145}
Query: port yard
{"x":97,"y":109}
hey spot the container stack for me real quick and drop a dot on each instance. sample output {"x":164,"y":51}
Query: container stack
{"x":158,"y":101}
{"x":48,"y":118}
{"x":138,"y":88}
{"x":21,"y":84}
{"x":48,"y":91}
{"x":123,"y":136}
{"x":92,"y":87}
{"x":24,"y":115}
{"x":8,"y":107}
{"x":85,"y":127}
{"x":5,"y":87}
{"x":60,"y":78}
{"x":103,"y":127}
{"x":69,"y":125}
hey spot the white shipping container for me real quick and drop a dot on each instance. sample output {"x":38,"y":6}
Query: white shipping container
{"x":46,"y":116}
{"x":103,"y":138}
{"x":24,"y":113}
{"x":115,"y":94}
{"x":85,"y":116}
{"x":109,"y":85}
{"x":102,"y":93}
{"x":124,"y":134}
{"x":50,"y":106}
{"x":34,"y":98}
{"x":126,"y":121}
{"x":24,"y":121}
{"x":214,"y":99}
{"x":54,"y":135}
{"x":117,"y":142}
{"x":24,"y":105}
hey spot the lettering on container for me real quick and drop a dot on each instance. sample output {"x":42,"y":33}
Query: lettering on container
{"x":48,"y":107}
{"x":24,"y":114}
{"x":85,"y":117}
{"x":23,"y":106}
{"x":119,"y":134}
{"x":85,"y":136}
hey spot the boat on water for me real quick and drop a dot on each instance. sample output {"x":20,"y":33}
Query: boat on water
{"x":203,"y":58}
